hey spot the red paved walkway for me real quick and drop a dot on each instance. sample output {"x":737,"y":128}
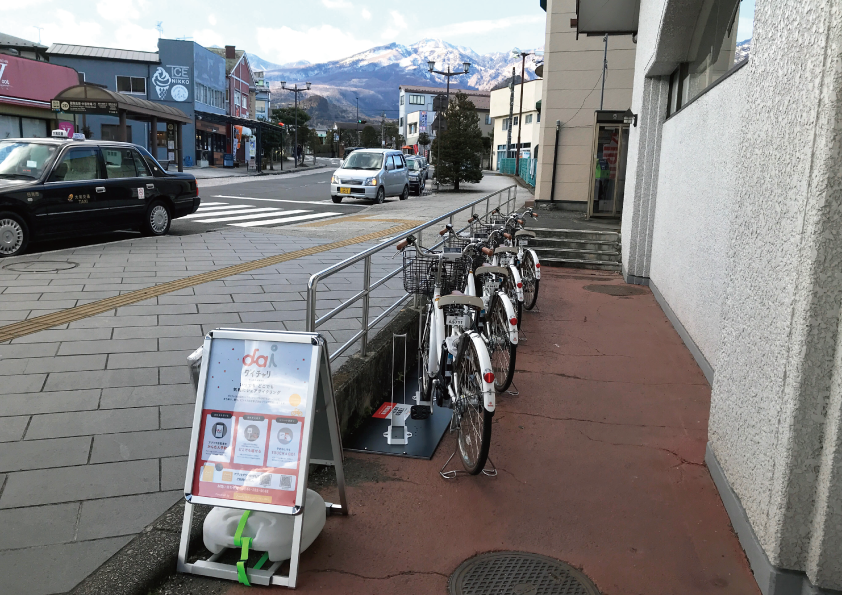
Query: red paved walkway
{"x":601,"y":465}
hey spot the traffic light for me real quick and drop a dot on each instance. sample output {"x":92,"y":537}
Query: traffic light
{"x":361,"y":121}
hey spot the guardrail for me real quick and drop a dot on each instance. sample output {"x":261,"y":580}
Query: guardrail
{"x":314,"y":323}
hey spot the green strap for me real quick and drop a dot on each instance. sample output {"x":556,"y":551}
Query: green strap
{"x":245,"y":543}
{"x":262,"y":561}
{"x":242,"y":577}
{"x":239,"y":533}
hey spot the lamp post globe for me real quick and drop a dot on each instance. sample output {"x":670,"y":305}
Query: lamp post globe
{"x":467,"y":66}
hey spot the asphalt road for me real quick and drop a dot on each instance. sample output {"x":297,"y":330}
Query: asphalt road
{"x":273,"y":201}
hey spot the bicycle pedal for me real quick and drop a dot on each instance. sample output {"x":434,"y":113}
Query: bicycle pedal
{"x":420,"y":412}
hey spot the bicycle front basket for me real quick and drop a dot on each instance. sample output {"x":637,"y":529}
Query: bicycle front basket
{"x":420,"y":272}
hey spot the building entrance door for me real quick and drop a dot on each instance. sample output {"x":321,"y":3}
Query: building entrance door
{"x":608,"y":179}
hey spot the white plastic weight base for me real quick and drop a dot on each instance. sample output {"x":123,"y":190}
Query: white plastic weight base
{"x":271,"y":533}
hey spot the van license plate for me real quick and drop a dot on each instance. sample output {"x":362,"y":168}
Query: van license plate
{"x":344,"y":191}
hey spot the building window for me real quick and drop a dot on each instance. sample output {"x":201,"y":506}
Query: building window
{"x":401,"y":124}
{"x":721,"y":39}
{"x":245,"y":103}
{"x":515,"y":121}
{"x":132,"y":85}
{"x":539,"y":117}
{"x":505,"y":123}
{"x":488,"y":119}
{"x":401,"y":99}
{"x":416,"y":100}
{"x":528,"y":119}
{"x":208,"y":96}
{"x":260,"y":105}
{"x":81,"y":77}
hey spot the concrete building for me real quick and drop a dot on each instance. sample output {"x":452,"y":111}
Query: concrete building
{"x":529,"y":129}
{"x":571,"y":96}
{"x":416,"y":113}
{"x":262,"y":97}
{"x":22,"y":48}
{"x":732,"y":217}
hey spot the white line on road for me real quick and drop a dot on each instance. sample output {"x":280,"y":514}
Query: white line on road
{"x":256,"y":215}
{"x":225,"y":211}
{"x":213,"y":204}
{"x":285,"y":220}
{"x":300,"y":202}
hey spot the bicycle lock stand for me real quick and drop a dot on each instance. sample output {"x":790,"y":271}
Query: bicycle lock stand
{"x":397,"y":432}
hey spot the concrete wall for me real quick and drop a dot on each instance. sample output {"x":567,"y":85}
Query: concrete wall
{"x":734,"y":213}
{"x":700,"y":150}
{"x":571,"y":92}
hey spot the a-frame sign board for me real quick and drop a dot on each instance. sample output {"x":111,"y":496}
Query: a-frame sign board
{"x":264,"y":411}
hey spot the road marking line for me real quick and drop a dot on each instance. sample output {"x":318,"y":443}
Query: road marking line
{"x":42,"y":323}
{"x":222,"y":211}
{"x":273,"y":213}
{"x":285,"y":220}
{"x":300,"y":202}
{"x":212,"y":204}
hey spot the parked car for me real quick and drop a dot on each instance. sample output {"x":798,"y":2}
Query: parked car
{"x":54,"y":187}
{"x":426,"y":167}
{"x":417,"y":181}
{"x":373,"y":174}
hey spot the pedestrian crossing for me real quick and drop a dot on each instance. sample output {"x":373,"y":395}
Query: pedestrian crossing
{"x":251,"y":215}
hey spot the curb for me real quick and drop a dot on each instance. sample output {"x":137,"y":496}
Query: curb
{"x":261,"y":174}
{"x":150,"y":557}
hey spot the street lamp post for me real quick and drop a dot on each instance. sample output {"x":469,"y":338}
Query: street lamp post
{"x":295,"y":90}
{"x":516,"y":52}
{"x":431,"y":65}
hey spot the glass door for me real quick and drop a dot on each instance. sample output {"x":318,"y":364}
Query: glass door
{"x":609,"y":170}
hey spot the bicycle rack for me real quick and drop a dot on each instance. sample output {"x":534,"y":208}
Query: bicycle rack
{"x":397,"y":433}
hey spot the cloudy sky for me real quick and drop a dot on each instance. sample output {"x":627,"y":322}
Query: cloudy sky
{"x":285,"y":31}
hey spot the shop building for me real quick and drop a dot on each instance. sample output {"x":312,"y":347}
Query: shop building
{"x":416,"y":114}
{"x":27,"y":84}
{"x":262,"y":97}
{"x":240,"y":101}
{"x":22,"y":48}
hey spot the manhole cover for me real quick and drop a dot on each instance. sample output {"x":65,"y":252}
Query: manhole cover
{"x":518,"y":573}
{"x":41,"y":266}
{"x":616,"y":290}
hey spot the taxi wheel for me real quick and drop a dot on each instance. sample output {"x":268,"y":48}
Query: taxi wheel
{"x":336,"y":199}
{"x":158,"y":219}
{"x":381,"y":196}
{"x":14,"y":235}
{"x":405,"y":193}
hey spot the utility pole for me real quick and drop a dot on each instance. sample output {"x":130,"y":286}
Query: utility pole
{"x":431,"y":64}
{"x":511,"y":115}
{"x":604,"y":70}
{"x":523,"y":56}
{"x":383,"y":129}
{"x":358,"y":122}
{"x":295,"y":90}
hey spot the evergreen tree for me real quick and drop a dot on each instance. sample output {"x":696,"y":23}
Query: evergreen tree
{"x":460,"y":144}
{"x":370,"y":137}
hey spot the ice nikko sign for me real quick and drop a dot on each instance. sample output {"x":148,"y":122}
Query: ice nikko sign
{"x":172,"y":83}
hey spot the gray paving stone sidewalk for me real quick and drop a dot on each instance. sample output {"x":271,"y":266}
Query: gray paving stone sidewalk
{"x":95,"y":413}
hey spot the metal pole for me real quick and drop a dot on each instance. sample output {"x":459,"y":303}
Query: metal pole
{"x":555,"y":159}
{"x":311,"y":308}
{"x":604,"y":70}
{"x":295,"y":148}
{"x":520,"y":114}
{"x":358,"y":122}
{"x":366,"y":288}
{"x":511,"y":114}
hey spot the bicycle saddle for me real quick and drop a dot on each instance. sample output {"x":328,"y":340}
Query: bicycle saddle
{"x":523,"y":232}
{"x":489,"y":270}
{"x":505,"y":249}
{"x":460,"y":300}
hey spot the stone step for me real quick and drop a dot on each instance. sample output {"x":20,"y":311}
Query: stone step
{"x":582,"y":264}
{"x":569,"y":244}
{"x":594,"y":255}
{"x":576,"y":234}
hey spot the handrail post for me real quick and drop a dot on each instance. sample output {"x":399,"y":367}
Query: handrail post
{"x":366,"y":288}
{"x":311,"y":306}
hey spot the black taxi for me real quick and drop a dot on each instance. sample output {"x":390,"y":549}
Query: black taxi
{"x":54,"y":187}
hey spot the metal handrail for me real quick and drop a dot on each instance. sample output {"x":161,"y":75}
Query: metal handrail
{"x":312,"y":285}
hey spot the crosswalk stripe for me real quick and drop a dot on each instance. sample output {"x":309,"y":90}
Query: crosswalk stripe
{"x":212,"y":204}
{"x":300,"y":202}
{"x":225,"y":207}
{"x":284,"y":220}
{"x":256,"y":215}
{"x":224,"y":211}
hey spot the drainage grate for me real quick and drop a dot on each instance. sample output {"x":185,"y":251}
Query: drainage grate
{"x":518,"y":573}
{"x":616,"y":290}
{"x":41,"y":266}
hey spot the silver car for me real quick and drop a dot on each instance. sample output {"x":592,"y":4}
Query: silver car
{"x":373,"y":174}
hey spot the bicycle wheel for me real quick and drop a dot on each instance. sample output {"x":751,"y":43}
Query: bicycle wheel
{"x":424,"y":345}
{"x":502,"y":351}
{"x":530,"y":282}
{"x":471,"y":417}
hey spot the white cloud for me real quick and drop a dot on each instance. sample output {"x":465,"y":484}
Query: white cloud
{"x":208,"y":37}
{"x":337,"y":4}
{"x":117,"y":10}
{"x":394,"y":28}
{"x":135,"y":37}
{"x":212,"y":19}
{"x":68,"y":26}
{"x":283,"y":44}
{"x":364,"y":13}
{"x":481,"y":27}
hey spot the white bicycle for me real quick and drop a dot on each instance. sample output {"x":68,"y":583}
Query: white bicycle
{"x":455,"y":360}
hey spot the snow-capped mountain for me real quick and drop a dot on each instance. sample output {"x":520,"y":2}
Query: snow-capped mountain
{"x":375,"y":74}
{"x":743,"y":50}
{"x":258,"y":63}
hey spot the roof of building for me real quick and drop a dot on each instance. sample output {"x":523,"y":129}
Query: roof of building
{"x":230,"y":63}
{"x":7,"y":40}
{"x":137,"y":108}
{"x":84,"y":51}
{"x":481,"y":99}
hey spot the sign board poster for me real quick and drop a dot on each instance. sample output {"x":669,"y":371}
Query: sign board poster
{"x":252,"y":425}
